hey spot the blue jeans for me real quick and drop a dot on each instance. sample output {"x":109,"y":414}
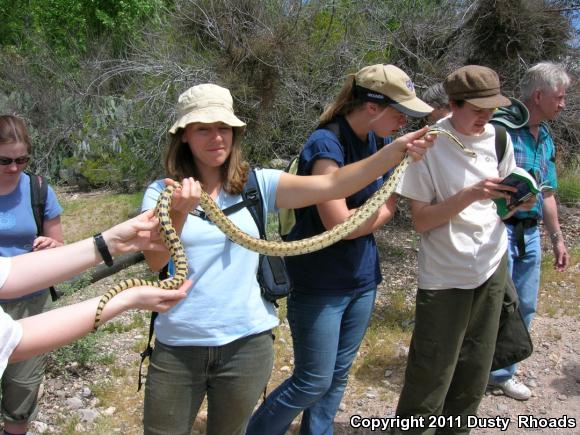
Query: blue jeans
{"x":327,"y":330}
{"x":525,"y":273}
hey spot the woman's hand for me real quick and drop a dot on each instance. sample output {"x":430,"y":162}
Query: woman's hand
{"x":415,"y":143}
{"x":43,"y":242}
{"x":138,"y":234}
{"x":186,"y":198}
{"x":153,"y":298}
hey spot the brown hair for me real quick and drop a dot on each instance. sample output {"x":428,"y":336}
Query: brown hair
{"x":13,"y":130}
{"x":180,"y":164}
{"x":345,"y":102}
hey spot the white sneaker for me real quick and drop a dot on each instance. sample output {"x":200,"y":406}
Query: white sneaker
{"x":514,"y":389}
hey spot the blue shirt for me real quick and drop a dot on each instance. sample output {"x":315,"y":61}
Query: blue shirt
{"x":348,"y":264}
{"x":17,"y":224}
{"x":538,"y":158}
{"x":225,"y":302}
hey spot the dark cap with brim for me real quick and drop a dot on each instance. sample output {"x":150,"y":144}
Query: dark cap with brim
{"x":477,"y":85}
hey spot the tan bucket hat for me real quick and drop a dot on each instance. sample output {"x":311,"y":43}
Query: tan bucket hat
{"x":389,"y":84}
{"x":476,"y":84}
{"x":206,"y":103}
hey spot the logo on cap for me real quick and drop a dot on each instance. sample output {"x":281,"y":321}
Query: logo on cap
{"x":410,"y":85}
{"x":377,"y":96}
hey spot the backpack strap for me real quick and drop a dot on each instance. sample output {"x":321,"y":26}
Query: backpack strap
{"x":38,"y":195}
{"x":253,"y":200}
{"x":163,"y":274}
{"x":500,"y":141}
{"x":334,"y":127}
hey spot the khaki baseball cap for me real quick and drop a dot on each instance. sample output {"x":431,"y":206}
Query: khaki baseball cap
{"x":206,"y":103}
{"x":389,"y":84}
{"x":476,"y":84}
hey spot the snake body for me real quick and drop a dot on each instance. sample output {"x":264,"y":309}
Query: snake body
{"x":171,"y":241}
{"x":327,"y":238}
{"x":266,"y":247}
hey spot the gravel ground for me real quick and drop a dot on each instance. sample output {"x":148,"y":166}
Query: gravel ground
{"x":553,"y":371}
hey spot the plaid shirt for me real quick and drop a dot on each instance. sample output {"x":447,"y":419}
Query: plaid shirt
{"x":538,"y":158}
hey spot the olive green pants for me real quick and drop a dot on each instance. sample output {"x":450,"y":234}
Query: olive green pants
{"x":21,"y":380}
{"x":450,"y":354}
{"x":230,"y":377}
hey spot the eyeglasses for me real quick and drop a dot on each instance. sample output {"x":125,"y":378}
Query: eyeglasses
{"x":5,"y":161}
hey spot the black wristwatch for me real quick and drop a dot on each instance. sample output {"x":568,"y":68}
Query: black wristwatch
{"x":103,"y":249}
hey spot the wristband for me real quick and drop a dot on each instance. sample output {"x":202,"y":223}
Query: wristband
{"x":103,"y":249}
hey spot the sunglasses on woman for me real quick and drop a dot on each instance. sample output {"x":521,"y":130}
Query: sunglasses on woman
{"x":5,"y":161}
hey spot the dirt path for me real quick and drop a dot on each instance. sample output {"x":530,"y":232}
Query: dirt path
{"x":102,"y":398}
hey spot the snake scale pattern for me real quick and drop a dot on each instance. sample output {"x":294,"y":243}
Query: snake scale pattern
{"x":171,"y":241}
{"x":266,"y":247}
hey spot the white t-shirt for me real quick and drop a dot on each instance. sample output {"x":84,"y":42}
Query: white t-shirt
{"x":224,"y":303}
{"x":10,"y":331}
{"x":466,"y":251}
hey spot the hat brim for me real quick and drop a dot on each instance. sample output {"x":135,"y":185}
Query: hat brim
{"x":490,"y":102}
{"x":208,"y":115}
{"x":414,"y":108}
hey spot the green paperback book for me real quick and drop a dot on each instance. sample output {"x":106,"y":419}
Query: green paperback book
{"x":526,"y":187}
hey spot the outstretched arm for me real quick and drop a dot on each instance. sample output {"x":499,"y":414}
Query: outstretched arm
{"x":299,"y":191}
{"x":72,"y":322}
{"x":55,"y":265}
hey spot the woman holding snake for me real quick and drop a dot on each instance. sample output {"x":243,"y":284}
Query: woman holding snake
{"x":218,"y":341}
{"x":334,"y":290}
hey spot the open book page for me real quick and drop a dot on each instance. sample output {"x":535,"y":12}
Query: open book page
{"x":526,"y":186}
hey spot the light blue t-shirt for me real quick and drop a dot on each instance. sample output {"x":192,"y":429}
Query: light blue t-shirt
{"x":224,"y":303}
{"x":17,"y":225}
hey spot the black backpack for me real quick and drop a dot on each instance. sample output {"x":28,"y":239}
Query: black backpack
{"x":38,"y":194}
{"x":272,"y":275}
{"x":500,"y":141}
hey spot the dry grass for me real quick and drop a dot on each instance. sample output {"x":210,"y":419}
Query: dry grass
{"x":560,"y":291}
{"x":91,"y":213}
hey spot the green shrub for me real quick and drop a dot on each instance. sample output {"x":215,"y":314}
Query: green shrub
{"x":84,"y":351}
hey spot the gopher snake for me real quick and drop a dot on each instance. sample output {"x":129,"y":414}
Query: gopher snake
{"x":264,"y":247}
{"x":171,"y":240}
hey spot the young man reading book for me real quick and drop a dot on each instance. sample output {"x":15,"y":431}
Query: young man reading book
{"x":543,"y":91}
{"x":462,"y":257}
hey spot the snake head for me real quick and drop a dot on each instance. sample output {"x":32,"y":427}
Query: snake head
{"x":435,"y":130}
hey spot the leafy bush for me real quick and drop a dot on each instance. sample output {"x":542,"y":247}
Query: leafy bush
{"x":98,"y":80}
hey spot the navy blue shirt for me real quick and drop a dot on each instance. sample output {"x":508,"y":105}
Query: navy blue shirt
{"x":348,"y":264}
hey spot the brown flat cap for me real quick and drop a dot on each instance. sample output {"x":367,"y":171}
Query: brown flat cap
{"x":476,"y":84}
